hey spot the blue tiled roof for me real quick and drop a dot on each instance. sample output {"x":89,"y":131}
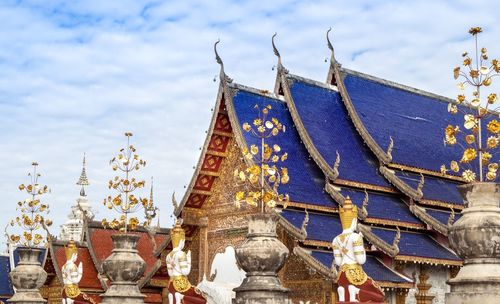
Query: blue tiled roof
{"x":442,"y":216}
{"x":306,"y":180}
{"x":5,"y":285}
{"x":320,"y":227}
{"x":373,"y":267}
{"x":382,"y":206}
{"x":416,"y":122}
{"x":416,"y":244}
{"x":438,"y":189}
{"x":330,"y":128}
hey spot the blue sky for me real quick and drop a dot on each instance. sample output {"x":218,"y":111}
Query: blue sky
{"x":75,"y":75}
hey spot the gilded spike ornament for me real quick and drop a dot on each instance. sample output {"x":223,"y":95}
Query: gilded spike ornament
{"x":125,"y":202}
{"x":479,"y":112}
{"x":263,"y":174}
{"x":32,"y":214}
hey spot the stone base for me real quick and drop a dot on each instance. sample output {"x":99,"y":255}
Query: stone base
{"x":123,"y":294}
{"x":257,"y":289}
{"x":360,"y":302}
{"x":27,"y":297}
{"x":475,"y":283}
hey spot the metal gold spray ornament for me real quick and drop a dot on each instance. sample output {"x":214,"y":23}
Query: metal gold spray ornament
{"x":125,"y":202}
{"x":32,"y":214}
{"x":262,"y":173}
{"x":479,"y":113}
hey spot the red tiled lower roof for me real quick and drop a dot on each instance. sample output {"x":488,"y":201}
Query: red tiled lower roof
{"x":102,"y":245}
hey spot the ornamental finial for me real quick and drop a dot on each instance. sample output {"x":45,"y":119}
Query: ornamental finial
{"x":275,"y":49}
{"x":421,"y":183}
{"x":174,"y":202}
{"x":397,"y":238}
{"x":222,"y":75}
{"x":217,"y":57}
{"x":83,"y":180}
{"x":303,"y":228}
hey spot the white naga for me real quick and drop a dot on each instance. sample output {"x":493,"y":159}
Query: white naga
{"x":71,"y":274}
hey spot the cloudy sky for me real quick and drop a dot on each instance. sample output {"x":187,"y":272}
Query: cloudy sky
{"x":75,"y":75}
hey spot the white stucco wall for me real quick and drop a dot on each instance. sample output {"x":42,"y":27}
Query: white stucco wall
{"x":438,"y":275}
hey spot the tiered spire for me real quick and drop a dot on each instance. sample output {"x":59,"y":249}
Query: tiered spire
{"x":83,"y":180}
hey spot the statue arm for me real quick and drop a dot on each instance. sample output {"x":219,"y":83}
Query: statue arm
{"x":359,"y":250}
{"x":185,"y":263}
{"x":336,"y":253}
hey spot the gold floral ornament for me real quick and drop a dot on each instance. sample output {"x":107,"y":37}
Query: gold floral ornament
{"x":263,"y":173}
{"x":125,"y":202}
{"x":480,"y":134}
{"x":33,"y":214}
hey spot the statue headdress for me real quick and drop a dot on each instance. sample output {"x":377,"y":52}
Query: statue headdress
{"x":177,"y":234}
{"x":348,"y":212}
{"x":70,"y":249}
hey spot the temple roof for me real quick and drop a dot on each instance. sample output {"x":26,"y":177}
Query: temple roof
{"x":326,"y":122}
{"x":6,"y":290}
{"x":308,"y":183}
{"x":358,"y":136}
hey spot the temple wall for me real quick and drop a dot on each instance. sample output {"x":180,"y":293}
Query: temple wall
{"x":438,"y":275}
{"x":304,"y":282}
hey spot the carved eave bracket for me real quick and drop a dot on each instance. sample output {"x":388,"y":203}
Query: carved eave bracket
{"x":429,"y":220}
{"x":364,"y":211}
{"x":414,"y":194}
{"x":381,"y":155}
{"x":329,"y":273}
{"x":390,"y":249}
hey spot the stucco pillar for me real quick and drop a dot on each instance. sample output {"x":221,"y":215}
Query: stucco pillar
{"x":262,"y":255}
{"x":124,"y":267}
{"x":28,"y":277}
{"x":476,"y":238}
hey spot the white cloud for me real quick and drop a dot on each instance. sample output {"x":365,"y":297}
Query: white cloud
{"x":75,"y":75}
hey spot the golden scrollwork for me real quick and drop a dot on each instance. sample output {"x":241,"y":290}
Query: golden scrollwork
{"x":72,"y":291}
{"x":181,"y":283}
{"x":354,"y":274}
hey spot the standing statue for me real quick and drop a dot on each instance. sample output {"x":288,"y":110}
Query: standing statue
{"x":353,"y":283}
{"x":178,"y":266}
{"x":72,"y":275}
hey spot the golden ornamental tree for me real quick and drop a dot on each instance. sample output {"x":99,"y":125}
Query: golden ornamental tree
{"x":33,"y":214}
{"x":480,"y":134}
{"x":125,"y":202}
{"x":263,"y":172}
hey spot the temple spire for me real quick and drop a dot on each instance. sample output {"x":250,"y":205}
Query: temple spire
{"x":83,"y":180}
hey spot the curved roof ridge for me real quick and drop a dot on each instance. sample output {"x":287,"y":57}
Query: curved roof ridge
{"x":330,"y":173}
{"x":398,"y":85}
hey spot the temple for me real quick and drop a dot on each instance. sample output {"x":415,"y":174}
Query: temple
{"x":356,"y":136}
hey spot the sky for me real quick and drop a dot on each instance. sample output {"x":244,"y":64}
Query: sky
{"x":76,"y":75}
